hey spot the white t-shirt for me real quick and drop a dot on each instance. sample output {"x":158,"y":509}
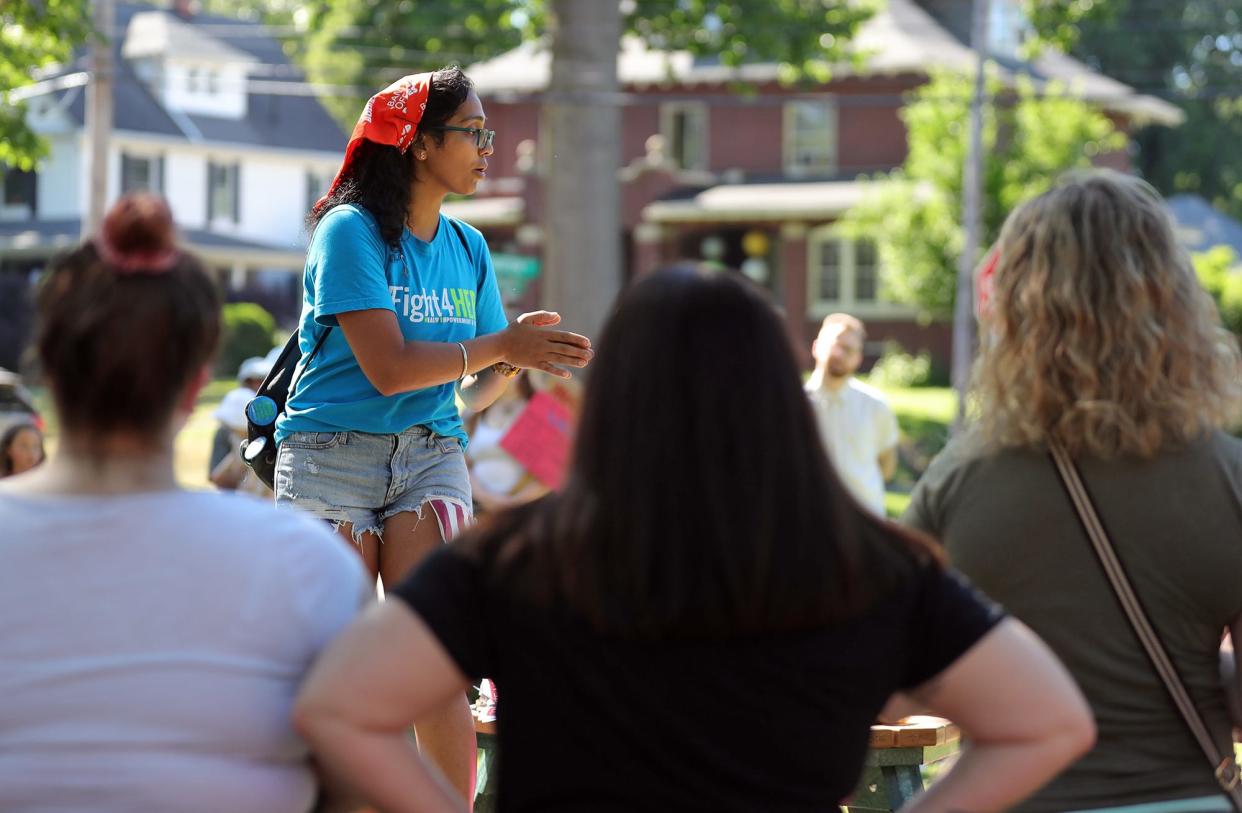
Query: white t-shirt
{"x":856,"y":425}
{"x":151,"y":646}
{"x":495,"y":468}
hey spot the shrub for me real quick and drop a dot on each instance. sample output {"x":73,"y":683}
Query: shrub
{"x":1218,"y":272}
{"x":897,"y":368}
{"x":247,"y":331}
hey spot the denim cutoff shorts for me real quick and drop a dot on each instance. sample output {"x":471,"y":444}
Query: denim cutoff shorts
{"x":364,"y":479}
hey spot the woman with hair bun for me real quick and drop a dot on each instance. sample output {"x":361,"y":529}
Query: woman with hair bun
{"x":1098,"y":336}
{"x":151,"y":638}
{"x":372,"y":440}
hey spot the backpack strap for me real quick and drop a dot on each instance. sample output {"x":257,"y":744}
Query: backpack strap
{"x":461,"y":235}
{"x":297,"y":375}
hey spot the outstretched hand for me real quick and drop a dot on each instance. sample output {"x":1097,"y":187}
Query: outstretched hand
{"x":540,"y":318}
{"x":531,"y":345}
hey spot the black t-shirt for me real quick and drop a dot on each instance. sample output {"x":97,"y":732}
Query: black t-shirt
{"x":775,"y":723}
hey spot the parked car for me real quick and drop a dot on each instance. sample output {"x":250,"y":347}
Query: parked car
{"x":16,"y":403}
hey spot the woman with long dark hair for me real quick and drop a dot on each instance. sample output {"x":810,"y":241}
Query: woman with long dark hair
{"x":702,"y":619}
{"x":372,"y":440}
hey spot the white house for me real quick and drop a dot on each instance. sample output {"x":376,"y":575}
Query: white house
{"x":208,"y":112}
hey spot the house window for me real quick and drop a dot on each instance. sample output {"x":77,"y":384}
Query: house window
{"x":142,"y":173}
{"x":810,"y":137}
{"x":317,"y":184}
{"x":18,"y":188}
{"x":843,"y":275}
{"x":866,"y":272}
{"x":223,"y":191}
{"x":1008,"y":27}
{"x":684,"y":127}
{"x":828,"y":272}
{"x":18,"y":194}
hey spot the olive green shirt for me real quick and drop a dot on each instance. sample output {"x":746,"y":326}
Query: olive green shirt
{"x":1176,"y":523}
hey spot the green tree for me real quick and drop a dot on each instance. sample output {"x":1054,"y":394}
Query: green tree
{"x":915,"y":212}
{"x":1186,"y":51}
{"x":367,"y":43}
{"x":269,"y":12}
{"x":1218,"y":269}
{"x":246,"y":330}
{"x":34,"y":35}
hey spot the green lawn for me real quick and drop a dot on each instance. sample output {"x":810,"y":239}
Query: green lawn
{"x":194,"y":443}
{"x":924,"y":415}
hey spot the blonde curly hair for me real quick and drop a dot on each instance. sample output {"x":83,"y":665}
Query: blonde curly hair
{"x":1097,"y":332}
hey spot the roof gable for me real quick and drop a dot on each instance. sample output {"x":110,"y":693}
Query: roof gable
{"x":280,"y":120}
{"x":1201,"y":226}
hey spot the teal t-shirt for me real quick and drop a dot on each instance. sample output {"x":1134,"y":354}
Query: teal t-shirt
{"x":439,"y":292}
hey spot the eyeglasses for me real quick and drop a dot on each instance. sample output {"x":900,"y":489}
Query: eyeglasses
{"x":482,"y":138}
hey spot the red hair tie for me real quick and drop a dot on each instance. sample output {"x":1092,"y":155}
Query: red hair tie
{"x":136,"y":236}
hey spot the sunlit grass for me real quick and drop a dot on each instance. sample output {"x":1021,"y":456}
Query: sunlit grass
{"x":924,"y":415}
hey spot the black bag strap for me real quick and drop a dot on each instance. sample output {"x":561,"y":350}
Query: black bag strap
{"x":1223,"y":766}
{"x":297,"y":374}
{"x":461,"y":235}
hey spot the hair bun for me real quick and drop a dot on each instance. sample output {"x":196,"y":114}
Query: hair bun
{"x":137,"y":236}
{"x":139,"y":224}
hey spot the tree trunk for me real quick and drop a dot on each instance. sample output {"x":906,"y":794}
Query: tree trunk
{"x":581,"y":135}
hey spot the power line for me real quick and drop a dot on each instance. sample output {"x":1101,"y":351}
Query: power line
{"x":269,"y":87}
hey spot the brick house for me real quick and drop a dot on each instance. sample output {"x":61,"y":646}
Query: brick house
{"x":756,"y":180}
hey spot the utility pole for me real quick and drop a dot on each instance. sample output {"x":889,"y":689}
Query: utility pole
{"x":972,"y":210}
{"x":99,"y":116}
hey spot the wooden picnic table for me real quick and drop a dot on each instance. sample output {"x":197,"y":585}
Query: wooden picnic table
{"x":892,"y":772}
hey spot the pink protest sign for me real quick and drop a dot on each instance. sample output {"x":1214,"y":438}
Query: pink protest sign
{"x":540,"y":437}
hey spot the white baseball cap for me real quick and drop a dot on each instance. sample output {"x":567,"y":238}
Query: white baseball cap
{"x":232,"y":409}
{"x":253,"y":367}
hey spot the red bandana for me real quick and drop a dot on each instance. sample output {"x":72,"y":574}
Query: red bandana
{"x":390,"y":117}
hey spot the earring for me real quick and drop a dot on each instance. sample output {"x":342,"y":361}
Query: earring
{"x":422,"y":156}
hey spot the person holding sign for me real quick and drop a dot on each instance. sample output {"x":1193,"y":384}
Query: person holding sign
{"x":498,"y":480}
{"x":371,"y":439}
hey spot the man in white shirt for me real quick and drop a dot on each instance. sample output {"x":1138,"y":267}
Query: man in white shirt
{"x":856,"y":424}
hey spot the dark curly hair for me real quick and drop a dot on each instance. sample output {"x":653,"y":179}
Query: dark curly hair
{"x":380,"y":175}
